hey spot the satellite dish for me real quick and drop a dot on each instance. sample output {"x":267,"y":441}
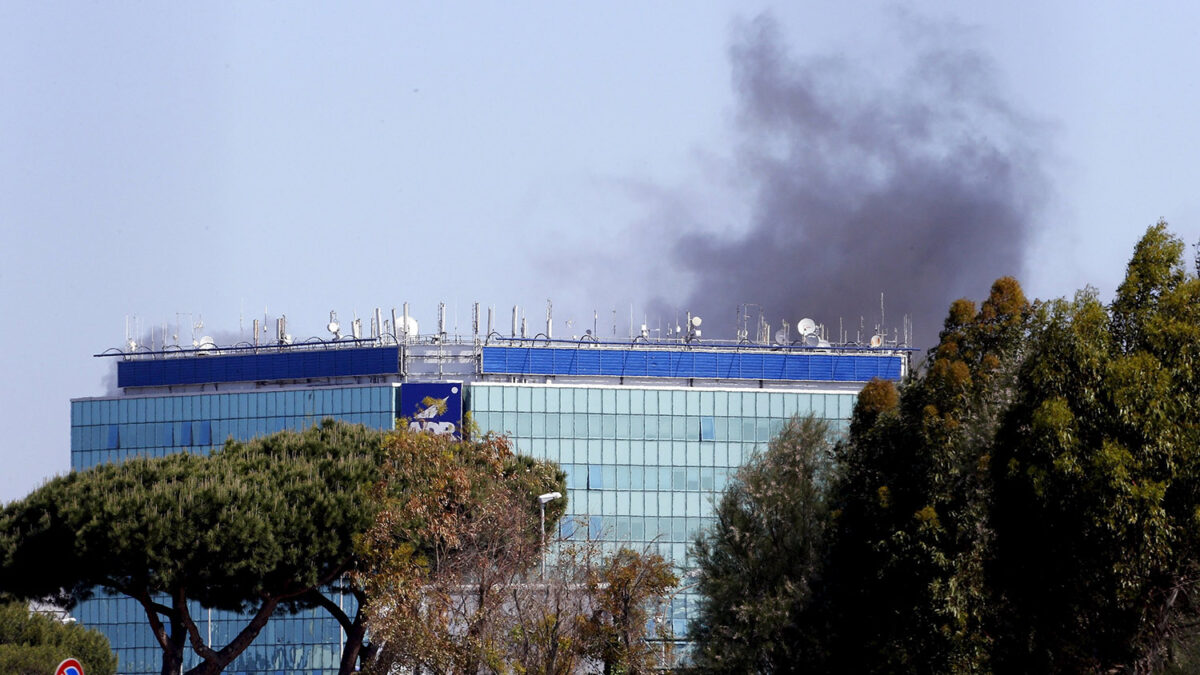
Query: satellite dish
{"x":806,"y":326}
{"x":410,"y":327}
{"x":780,"y":336}
{"x":812,"y":340}
{"x":333,"y":326}
{"x":876,"y":340}
{"x":696,"y":322}
{"x":206,"y":345}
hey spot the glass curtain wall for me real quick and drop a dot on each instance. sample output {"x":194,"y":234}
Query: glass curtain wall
{"x":116,"y":429}
{"x":645,"y":465}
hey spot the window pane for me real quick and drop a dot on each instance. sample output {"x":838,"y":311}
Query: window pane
{"x":608,"y":401}
{"x":637,"y":399}
{"x":610,"y":476}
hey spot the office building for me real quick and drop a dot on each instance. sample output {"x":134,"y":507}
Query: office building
{"x":648,"y":431}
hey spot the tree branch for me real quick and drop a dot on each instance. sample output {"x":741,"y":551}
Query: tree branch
{"x":153,"y":609}
{"x":319,"y":599}
{"x":198,"y":645}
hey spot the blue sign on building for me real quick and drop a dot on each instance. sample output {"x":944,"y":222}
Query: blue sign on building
{"x":432,"y":406}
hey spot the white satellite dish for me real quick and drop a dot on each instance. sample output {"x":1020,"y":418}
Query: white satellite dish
{"x":812,"y":340}
{"x":206,"y":345}
{"x":333,"y":326}
{"x":780,"y":336}
{"x":696,"y":322}
{"x":409,"y":326}
{"x":806,"y":326}
{"x":876,"y":340}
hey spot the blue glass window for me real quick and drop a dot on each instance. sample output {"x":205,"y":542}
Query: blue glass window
{"x":114,"y":437}
{"x":567,"y":528}
{"x":610,"y":476}
{"x":202,"y":433}
{"x":577,"y":476}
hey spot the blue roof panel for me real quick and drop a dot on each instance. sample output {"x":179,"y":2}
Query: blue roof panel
{"x":258,"y":367}
{"x":794,"y":366}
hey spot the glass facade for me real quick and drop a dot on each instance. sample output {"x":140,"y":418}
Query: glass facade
{"x":644,"y":466}
{"x":112,"y":430}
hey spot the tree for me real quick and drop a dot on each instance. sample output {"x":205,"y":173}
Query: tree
{"x":457,"y":526}
{"x":590,"y":609}
{"x":255,"y":528}
{"x":1098,"y":476}
{"x":760,"y":564}
{"x":621,"y":592}
{"x":1028,"y":502}
{"x":33,"y":644}
{"x":344,"y":463}
{"x":906,"y":587}
{"x":549,"y":613}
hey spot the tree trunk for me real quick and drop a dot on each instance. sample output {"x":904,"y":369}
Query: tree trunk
{"x":172,"y":663}
{"x":355,"y":649}
{"x":172,"y":657}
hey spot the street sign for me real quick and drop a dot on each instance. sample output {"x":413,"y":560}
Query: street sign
{"x":69,"y":667}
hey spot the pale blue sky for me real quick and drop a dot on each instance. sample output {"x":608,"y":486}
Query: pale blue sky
{"x":214,"y":159}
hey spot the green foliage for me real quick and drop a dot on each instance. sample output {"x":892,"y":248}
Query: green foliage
{"x":34,"y":644}
{"x":1029,"y":502}
{"x":906,"y":586}
{"x":255,"y":528}
{"x":761,"y":563}
{"x":1098,"y":476}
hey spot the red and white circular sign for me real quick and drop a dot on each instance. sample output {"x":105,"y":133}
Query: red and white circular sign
{"x":69,"y":667}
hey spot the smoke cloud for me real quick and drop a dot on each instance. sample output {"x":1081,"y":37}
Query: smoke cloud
{"x":922,"y":185}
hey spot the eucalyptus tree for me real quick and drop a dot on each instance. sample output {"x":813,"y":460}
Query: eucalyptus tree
{"x":1098,"y":476}
{"x":906,"y":585}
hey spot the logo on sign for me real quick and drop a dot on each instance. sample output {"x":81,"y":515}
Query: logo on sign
{"x":69,"y":667}
{"x":432,"y":407}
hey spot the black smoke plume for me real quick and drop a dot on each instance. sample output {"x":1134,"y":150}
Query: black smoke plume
{"x":922,"y":185}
